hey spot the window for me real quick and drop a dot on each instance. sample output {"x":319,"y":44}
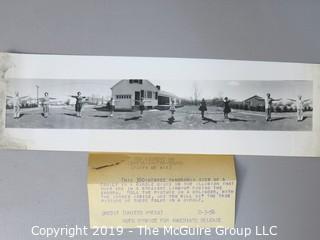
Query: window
{"x":123,"y":96}
{"x":149,"y":94}
{"x":138,"y":81}
{"x":156,"y":95}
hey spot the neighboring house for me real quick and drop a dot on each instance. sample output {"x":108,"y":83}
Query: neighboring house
{"x":254,"y":101}
{"x":29,"y":101}
{"x":96,"y":100}
{"x":165,"y":98}
{"x":127,"y":94}
{"x":25,"y":102}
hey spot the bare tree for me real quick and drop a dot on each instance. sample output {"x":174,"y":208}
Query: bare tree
{"x":196,"y":93}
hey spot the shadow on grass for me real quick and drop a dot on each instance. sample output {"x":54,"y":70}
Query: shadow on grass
{"x":42,"y":114}
{"x":21,"y":115}
{"x":304,"y":118}
{"x":170,"y":120}
{"x":108,"y":109}
{"x":278,"y":119}
{"x":71,"y":114}
{"x":238,"y":120}
{"x":207,"y":120}
{"x":132,"y":118}
{"x":102,"y":109}
{"x":101,"y":116}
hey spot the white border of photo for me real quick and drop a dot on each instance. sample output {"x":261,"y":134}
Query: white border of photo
{"x":281,"y":143}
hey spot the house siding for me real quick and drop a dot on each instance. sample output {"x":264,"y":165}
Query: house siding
{"x":126,"y":94}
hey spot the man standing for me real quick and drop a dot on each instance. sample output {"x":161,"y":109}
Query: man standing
{"x":268,"y":106}
{"x":141,"y":107}
{"x":16,"y":106}
{"x":300,"y":106}
{"x":203,"y":107}
{"x":112,"y":106}
{"x":80,"y":100}
{"x":172,"y":109}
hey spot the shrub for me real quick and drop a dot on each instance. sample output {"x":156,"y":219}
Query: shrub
{"x":278,"y":109}
{"x":252,"y":108}
{"x":260,"y":108}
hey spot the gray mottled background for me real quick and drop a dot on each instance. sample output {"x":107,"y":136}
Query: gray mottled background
{"x":49,"y":188}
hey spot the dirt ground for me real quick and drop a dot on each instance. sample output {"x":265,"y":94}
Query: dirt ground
{"x":187,"y":117}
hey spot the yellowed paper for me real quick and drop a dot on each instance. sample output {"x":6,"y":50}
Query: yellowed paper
{"x":161,"y":190}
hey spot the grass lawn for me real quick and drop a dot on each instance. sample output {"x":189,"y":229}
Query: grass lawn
{"x":187,"y":117}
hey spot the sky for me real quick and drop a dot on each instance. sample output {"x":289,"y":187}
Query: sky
{"x":237,"y":90}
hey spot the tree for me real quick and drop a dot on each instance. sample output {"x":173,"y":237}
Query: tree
{"x":217,"y":101}
{"x":196,"y":93}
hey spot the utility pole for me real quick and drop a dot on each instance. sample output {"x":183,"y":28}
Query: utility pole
{"x":37,"y":86}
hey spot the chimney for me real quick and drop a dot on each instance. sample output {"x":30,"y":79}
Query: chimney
{"x":158,"y":87}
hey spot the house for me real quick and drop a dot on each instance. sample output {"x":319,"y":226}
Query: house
{"x":127,"y":94}
{"x":254,"y":101}
{"x":165,"y":98}
{"x":96,"y":100}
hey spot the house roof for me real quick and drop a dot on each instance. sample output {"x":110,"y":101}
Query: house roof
{"x":160,"y":92}
{"x":255,"y":96}
{"x":166,"y":94}
{"x":145,"y":80}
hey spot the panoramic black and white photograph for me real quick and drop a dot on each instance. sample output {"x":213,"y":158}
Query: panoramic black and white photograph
{"x":160,"y":104}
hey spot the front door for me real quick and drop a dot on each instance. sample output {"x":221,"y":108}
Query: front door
{"x":136,"y":98}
